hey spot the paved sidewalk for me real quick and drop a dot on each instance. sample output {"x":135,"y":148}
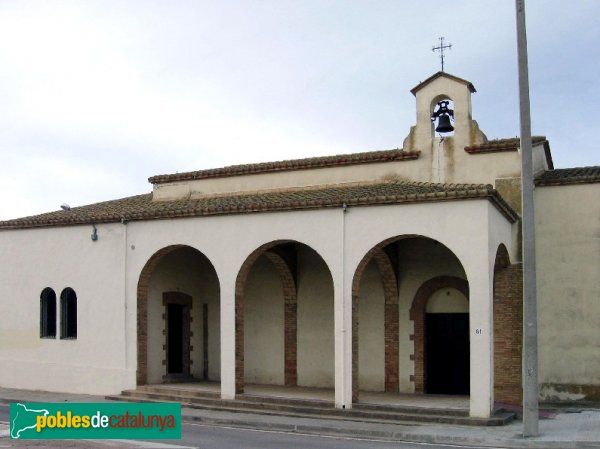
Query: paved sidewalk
{"x":567,"y":429}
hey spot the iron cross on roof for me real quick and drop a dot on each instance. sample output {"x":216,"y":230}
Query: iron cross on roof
{"x":441,"y":49}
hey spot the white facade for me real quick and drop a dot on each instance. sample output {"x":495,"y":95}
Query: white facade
{"x":455,"y":233}
{"x":98,"y":362}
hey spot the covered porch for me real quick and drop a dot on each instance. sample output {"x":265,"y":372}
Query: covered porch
{"x":324,"y":321}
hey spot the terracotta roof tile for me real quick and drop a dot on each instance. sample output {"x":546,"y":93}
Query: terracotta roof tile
{"x":498,"y":145}
{"x":563,"y":176}
{"x":422,"y":84}
{"x":142,"y":207}
{"x":295,"y":164}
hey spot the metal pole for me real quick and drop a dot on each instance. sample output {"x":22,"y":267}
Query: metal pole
{"x":530,"y":350}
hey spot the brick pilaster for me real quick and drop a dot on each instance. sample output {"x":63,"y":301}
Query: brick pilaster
{"x":508,"y":334}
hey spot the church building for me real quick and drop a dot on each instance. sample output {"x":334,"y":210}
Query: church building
{"x":392,"y":271}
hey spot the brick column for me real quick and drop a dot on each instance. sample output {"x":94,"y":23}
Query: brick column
{"x":391,"y":317}
{"x":508,"y":334}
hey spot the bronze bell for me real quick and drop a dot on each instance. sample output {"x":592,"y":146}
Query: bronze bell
{"x":444,"y":125}
{"x":443,"y":114}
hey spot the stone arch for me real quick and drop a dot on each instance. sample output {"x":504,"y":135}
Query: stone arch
{"x":417,"y":315}
{"x":391,"y":326}
{"x":142,"y":306}
{"x":288,"y":281}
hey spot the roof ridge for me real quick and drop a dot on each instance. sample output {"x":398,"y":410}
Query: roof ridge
{"x":395,"y":154}
{"x":502,"y":144}
{"x":439,"y":74}
{"x":447,"y":184}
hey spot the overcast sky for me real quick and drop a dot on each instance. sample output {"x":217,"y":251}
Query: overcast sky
{"x":96,"y":96}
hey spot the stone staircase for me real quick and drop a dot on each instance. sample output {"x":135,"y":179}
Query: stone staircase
{"x":307,"y":408}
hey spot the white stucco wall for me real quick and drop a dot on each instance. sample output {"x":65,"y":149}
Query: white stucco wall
{"x":371,"y":340}
{"x":315,"y":321}
{"x":263,"y":325}
{"x":292,"y":179}
{"x":568,"y":288}
{"x":31,"y":260}
{"x":439,"y":161}
{"x":447,"y":300}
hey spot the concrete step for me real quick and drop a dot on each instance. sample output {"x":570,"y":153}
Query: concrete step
{"x":318,"y":403}
{"x":309,"y":408}
{"x":186,"y":391}
{"x":281,"y":403}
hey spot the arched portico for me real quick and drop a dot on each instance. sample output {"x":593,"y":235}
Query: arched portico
{"x":178,"y":336}
{"x":284,"y":317}
{"x":401,"y":273}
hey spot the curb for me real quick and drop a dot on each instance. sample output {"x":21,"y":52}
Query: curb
{"x":391,"y":435}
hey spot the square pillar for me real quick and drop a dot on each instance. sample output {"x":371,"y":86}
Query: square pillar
{"x":343,"y":345}
{"x":481,"y":340}
{"x":228,"y":341}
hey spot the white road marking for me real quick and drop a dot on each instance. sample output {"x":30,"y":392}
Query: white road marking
{"x":145,"y":444}
{"x":339,"y":437}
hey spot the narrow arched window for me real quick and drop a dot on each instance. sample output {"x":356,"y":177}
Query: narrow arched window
{"x":48,"y":313}
{"x":68,"y":314}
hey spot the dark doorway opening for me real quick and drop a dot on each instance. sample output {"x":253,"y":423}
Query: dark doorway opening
{"x":175,"y":339}
{"x":447,"y":353}
{"x":205,"y":341}
{"x":178,"y":336}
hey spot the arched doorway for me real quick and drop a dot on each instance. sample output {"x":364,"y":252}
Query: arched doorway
{"x":441,"y":336}
{"x":178,"y":318}
{"x":447,"y":342}
{"x":391,"y":289}
{"x":284,"y":318}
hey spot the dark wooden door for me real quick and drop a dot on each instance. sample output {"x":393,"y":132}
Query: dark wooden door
{"x":175,"y":339}
{"x":447,"y":353}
